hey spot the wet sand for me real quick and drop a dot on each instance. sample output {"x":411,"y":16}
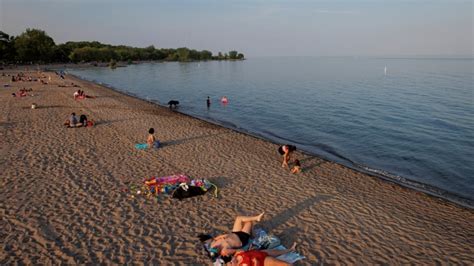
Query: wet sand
{"x":62,"y":198}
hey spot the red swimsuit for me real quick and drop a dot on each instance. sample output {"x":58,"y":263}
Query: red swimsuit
{"x":249,"y":256}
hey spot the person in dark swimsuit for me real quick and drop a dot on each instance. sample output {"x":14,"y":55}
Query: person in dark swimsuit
{"x":228,"y":244}
{"x":286,"y":151}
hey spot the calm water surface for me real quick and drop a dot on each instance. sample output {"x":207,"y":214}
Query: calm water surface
{"x":414,"y":124}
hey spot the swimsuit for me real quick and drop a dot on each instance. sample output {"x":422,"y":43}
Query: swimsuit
{"x":243,"y":237}
{"x":249,"y":256}
{"x":283,"y":149}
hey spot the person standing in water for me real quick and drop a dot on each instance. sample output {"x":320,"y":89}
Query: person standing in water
{"x":208,"y":102}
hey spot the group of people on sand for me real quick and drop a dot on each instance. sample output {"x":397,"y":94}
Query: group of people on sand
{"x":22,"y":77}
{"x":82,"y":122}
{"x":230,"y":247}
{"x":22,"y":92}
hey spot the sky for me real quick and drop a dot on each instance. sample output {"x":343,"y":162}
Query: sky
{"x":256,"y":28}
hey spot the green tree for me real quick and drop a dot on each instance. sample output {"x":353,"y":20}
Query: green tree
{"x":183,"y":53}
{"x":240,"y":56}
{"x":233,"y":54}
{"x":7,"y":50}
{"x":205,"y":55}
{"x":34,"y":45}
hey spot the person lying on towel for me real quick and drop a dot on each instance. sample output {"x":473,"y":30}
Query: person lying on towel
{"x":226,"y":245}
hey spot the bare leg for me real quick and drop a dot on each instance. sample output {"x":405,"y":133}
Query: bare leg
{"x":245,"y":222}
{"x":270,"y":261}
{"x":276,"y":252}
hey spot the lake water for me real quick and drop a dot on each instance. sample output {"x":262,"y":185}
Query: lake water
{"x":413,"y":124}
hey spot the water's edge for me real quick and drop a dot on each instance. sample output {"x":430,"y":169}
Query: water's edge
{"x":385,"y":176}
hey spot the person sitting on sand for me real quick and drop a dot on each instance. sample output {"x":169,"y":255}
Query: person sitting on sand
{"x":228,"y":244}
{"x":82,"y":120}
{"x":72,"y":122}
{"x":76,"y":94}
{"x":286,"y":151}
{"x":296,"y":168}
{"x":260,"y":257}
{"x":151,"y":141}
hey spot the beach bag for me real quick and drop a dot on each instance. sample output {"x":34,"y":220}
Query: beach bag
{"x":184,"y":191}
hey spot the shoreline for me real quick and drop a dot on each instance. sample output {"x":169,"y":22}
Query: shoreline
{"x":385,"y":176}
{"x":62,"y":198}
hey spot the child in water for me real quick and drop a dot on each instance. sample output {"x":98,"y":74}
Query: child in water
{"x":296,"y":168}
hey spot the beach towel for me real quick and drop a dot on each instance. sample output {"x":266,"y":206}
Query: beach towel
{"x":260,"y":241}
{"x":142,"y":146}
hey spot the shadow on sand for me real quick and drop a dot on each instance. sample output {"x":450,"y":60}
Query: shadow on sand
{"x":181,"y":141}
{"x":290,"y":213}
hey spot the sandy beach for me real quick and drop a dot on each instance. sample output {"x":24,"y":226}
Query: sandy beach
{"x":62,"y":194}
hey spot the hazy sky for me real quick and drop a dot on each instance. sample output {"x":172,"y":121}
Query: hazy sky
{"x":256,"y":28}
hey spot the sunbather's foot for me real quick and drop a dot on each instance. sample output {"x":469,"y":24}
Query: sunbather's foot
{"x":259,"y":217}
{"x":293,"y":248}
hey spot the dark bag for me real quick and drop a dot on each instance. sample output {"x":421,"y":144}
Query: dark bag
{"x":180,"y":193}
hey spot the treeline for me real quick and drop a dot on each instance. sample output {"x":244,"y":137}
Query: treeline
{"x":35,"y":46}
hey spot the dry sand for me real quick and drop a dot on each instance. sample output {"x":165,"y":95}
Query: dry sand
{"x":61,"y":197}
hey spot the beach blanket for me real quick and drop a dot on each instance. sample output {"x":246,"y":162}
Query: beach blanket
{"x":178,"y":186}
{"x":143,"y":146}
{"x":262,"y":240}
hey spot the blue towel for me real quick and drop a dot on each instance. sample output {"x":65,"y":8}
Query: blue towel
{"x":141,"y":146}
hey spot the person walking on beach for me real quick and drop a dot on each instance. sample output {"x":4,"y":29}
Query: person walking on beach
{"x":286,"y":151}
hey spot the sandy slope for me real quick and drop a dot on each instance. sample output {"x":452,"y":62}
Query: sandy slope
{"x":61,"y":198}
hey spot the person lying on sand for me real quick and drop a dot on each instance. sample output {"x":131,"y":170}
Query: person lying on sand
{"x":260,"y":257}
{"x":80,"y":94}
{"x":228,"y":244}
